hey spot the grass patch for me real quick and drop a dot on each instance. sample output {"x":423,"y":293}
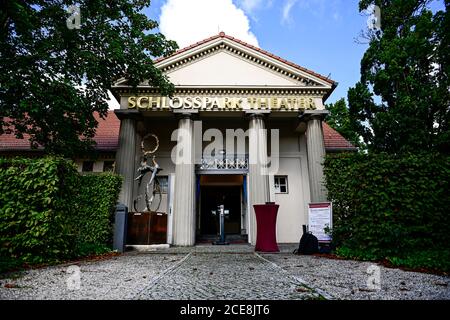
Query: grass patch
{"x":430,"y":261}
{"x":9,"y":264}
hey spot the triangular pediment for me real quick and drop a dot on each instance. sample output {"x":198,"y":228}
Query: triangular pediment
{"x":224,"y":69}
{"x":222,"y":61}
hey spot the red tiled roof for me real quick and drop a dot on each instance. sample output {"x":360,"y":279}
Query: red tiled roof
{"x":107,"y":134}
{"x":10,"y":142}
{"x":334,"y":140}
{"x":223,"y":35}
{"x":107,"y":137}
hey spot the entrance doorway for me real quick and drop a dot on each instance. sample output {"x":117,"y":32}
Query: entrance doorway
{"x":216,"y":190}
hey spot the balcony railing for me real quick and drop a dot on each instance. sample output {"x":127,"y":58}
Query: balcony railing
{"x":224,"y":163}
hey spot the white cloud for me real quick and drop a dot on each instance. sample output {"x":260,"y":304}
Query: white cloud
{"x":286,"y":16}
{"x":187,"y":22}
{"x":250,"y":5}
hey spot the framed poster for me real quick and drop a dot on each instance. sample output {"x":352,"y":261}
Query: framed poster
{"x":320,"y":216}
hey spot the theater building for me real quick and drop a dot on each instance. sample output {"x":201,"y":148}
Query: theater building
{"x":226,"y":88}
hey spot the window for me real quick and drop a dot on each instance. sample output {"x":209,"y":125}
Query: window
{"x":88,"y":166}
{"x":281,"y":184}
{"x":108,"y":166}
{"x":164,"y":183}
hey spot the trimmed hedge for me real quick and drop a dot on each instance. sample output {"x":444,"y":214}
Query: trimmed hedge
{"x":35,"y":217}
{"x":94,"y":206}
{"x":49,"y":213}
{"x":389,"y":207}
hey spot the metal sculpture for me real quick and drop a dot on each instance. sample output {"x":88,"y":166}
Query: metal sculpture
{"x":152,"y":193}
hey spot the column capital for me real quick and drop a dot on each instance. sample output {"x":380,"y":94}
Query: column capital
{"x":253,"y":114}
{"x":123,"y":114}
{"x":184,"y":114}
{"x":308,"y":115}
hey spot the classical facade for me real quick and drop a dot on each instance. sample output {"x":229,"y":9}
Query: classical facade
{"x":244,"y":127}
{"x":226,"y":89}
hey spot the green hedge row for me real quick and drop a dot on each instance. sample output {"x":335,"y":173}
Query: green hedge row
{"x":94,"y":206}
{"x":389,"y":206}
{"x":48,"y":212}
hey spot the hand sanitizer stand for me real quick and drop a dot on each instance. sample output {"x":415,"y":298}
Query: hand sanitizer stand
{"x":222,"y":212}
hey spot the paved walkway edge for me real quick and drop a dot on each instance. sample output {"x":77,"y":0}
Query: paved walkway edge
{"x":324,"y":294}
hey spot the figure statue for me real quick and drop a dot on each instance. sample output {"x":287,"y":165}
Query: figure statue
{"x":152,"y":188}
{"x":144,"y":168}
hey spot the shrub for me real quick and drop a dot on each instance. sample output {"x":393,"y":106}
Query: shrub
{"x":34,"y":214}
{"x":94,"y":205}
{"x":388,"y":206}
{"x":49,"y":213}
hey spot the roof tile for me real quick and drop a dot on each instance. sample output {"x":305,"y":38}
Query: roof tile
{"x":107,"y":136}
{"x":334,"y":140}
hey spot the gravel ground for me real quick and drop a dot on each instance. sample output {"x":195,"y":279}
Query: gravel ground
{"x":344,"y":279}
{"x":227,"y":276}
{"x":231,"y":272}
{"x":121,"y":277}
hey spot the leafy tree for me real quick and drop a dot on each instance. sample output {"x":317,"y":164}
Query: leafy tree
{"x":54,"y":73}
{"x":339,"y":119}
{"x":401,"y":103}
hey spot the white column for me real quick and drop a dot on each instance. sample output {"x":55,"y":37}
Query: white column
{"x":258,"y":180}
{"x":184,"y":193}
{"x":316,"y":157}
{"x":125,"y":160}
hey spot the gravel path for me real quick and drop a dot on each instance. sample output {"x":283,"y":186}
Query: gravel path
{"x":121,"y":277}
{"x":344,"y":279}
{"x":232,"y":272}
{"x":227,"y":276}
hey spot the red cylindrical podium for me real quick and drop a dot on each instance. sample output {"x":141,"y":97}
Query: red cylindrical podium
{"x":266,"y":223}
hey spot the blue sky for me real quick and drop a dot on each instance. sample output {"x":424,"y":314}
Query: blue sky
{"x":316,"y":34}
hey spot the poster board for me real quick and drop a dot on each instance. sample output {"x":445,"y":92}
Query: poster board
{"x":320,"y":216}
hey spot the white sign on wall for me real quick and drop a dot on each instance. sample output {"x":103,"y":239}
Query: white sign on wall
{"x":320,"y":217}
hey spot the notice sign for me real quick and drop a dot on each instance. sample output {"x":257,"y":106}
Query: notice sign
{"x":320,"y":217}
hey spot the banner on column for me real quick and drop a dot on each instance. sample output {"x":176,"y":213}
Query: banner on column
{"x":320,"y":216}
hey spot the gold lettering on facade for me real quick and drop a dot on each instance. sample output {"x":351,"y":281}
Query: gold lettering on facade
{"x":283,"y":103}
{"x":176,"y":103}
{"x":274,"y":103}
{"x":238,"y":103}
{"x":188,"y":103}
{"x":197,"y":103}
{"x":140,"y":102}
{"x":229,"y":103}
{"x":215,"y":103}
{"x":207,"y":103}
{"x":262,"y":103}
{"x":131,"y":102}
{"x":312,"y":104}
{"x":154,"y":102}
{"x":252,"y":102}
{"x":290,"y":103}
